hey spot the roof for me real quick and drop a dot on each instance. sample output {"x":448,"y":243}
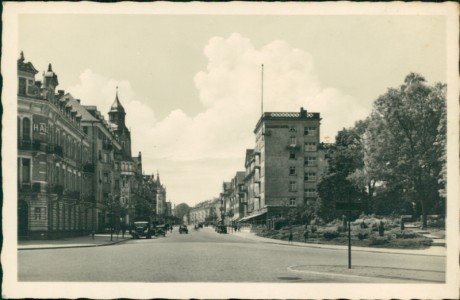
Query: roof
{"x":26,"y":67}
{"x":249,"y":154}
{"x":240,"y":176}
{"x":81,"y":110}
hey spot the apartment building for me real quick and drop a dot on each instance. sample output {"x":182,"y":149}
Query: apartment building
{"x":283,"y":169}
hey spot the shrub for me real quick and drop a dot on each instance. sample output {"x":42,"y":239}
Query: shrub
{"x":405,"y":235}
{"x":314,"y":228}
{"x":379,"y":240}
{"x":362,"y":235}
{"x":330,"y":234}
{"x":342,"y":228}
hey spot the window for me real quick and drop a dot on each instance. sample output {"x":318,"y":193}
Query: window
{"x":310,"y":176}
{"x":291,"y":154}
{"x":105,"y":178}
{"x":293,"y":186}
{"x":310,"y":130}
{"x":310,"y":146}
{"x":310,"y":192}
{"x":85,"y":129}
{"x":310,"y":161}
{"x":292,"y":171}
{"x":25,"y":170}
{"x":293,"y":140}
{"x":26,"y":129}
{"x":292,"y":202}
{"x":22,"y":86}
{"x":38,"y":214}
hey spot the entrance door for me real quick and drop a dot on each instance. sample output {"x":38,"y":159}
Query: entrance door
{"x":23,"y":218}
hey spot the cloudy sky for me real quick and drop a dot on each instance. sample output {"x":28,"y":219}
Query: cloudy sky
{"x":191,"y":84}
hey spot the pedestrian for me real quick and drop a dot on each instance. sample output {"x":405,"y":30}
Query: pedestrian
{"x":305,"y":235}
{"x":123,"y":230}
{"x":290,"y":237}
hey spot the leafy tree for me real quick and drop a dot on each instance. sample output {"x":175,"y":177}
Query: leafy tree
{"x":407,"y":131}
{"x":344,"y":158}
{"x":181,"y":210}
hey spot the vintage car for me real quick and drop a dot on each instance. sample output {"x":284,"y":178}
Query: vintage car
{"x":142,"y":229}
{"x":221,"y":229}
{"x":183,"y":229}
{"x":160,"y":230}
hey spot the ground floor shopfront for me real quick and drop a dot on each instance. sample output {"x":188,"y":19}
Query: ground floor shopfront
{"x":47,"y":216}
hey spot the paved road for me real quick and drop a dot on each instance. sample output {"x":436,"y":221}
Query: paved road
{"x":205,"y":256}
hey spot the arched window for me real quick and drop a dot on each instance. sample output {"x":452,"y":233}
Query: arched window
{"x":26,"y":129}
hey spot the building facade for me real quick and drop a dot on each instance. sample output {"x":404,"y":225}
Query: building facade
{"x":75,"y":171}
{"x":54,"y":197}
{"x":283,"y":169}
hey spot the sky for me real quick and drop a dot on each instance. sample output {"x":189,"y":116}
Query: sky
{"x":191,"y":84}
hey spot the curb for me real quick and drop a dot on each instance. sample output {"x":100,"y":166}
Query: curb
{"x":325,"y":246}
{"x":76,"y":246}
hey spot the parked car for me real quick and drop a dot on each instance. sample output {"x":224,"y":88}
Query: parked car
{"x":142,"y":229}
{"x":221,"y":229}
{"x":183,"y":229}
{"x":160,"y":230}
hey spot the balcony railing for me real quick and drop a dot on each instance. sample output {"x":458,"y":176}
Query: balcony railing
{"x":56,"y":189}
{"x":34,"y":187}
{"x":34,"y":145}
{"x":55,"y":149}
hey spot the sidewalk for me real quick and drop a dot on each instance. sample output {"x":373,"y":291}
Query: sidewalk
{"x":73,"y":242}
{"x":432,"y":251}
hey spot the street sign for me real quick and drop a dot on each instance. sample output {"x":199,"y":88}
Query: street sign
{"x":348,"y":205}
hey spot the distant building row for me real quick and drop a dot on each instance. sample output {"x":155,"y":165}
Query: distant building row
{"x":75,"y":170}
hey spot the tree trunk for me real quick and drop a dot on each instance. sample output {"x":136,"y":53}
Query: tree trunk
{"x":424,"y":219}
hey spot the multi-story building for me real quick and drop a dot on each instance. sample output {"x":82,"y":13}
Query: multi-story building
{"x":283,"y":169}
{"x":54,"y":194}
{"x":160,"y":200}
{"x":75,"y":169}
{"x":204,"y":212}
{"x":237,"y":200}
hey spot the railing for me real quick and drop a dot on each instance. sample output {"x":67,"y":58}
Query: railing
{"x":55,"y":149}
{"x":34,"y":187}
{"x":107,"y":146}
{"x":35,"y":145}
{"x":56,"y":189}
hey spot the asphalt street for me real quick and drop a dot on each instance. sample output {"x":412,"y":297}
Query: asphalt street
{"x":206,"y":256}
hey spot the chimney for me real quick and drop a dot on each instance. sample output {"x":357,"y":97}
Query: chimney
{"x":303,"y":113}
{"x":78,"y":100}
{"x":61,"y":93}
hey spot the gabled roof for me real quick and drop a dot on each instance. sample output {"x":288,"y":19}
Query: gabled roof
{"x":26,"y":67}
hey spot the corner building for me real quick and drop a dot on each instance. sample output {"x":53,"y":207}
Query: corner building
{"x":54,"y":198}
{"x":283,"y":169}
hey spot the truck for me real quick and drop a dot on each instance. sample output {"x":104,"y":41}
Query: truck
{"x":142,"y":229}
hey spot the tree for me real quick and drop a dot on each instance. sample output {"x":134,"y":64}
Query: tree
{"x":181,"y":210}
{"x":407,"y":130}
{"x":344,"y":158}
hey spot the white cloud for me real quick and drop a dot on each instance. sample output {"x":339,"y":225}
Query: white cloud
{"x":230,"y":91}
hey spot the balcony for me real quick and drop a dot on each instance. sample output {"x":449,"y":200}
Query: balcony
{"x":56,"y":189}
{"x":34,"y":145}
{"x":55,"y":149}
{"x":34,"y":187}
{"x":107,"y":146}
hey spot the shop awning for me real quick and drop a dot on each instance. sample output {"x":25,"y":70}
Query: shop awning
{"x":252,"y":216}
